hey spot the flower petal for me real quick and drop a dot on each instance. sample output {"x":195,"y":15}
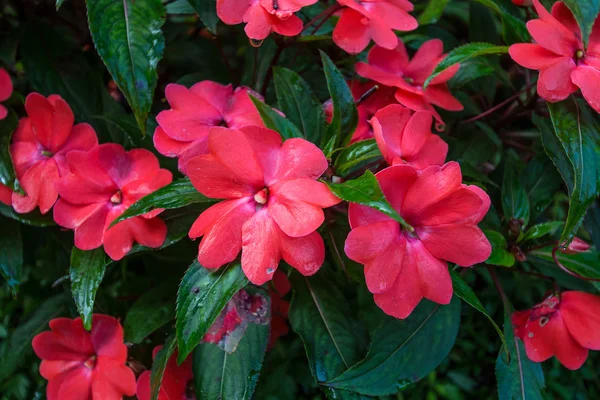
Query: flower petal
{"x":350,"y":34}
{"x":306,"y":254}
{"x":295,"y":218}
{"x":580,"y":314}
{"x":305,"y":190}
{"x":260,"y":247}
{"x":211,"y":178}
{"x":554,"y":83}
{"x":107,"y":338}
{"x":51,"y":118}
{"x":6,"y":86}
{"x":588,"y":80}
{"x":448,"y":242}
{"x":300,"y":158}
{"x":532,"y":55}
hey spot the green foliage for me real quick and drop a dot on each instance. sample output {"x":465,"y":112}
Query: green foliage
{"x":11,"y":252}
{"x":356,"y":156}
{"x":500,"y":254}
{"x":7,"y":126}
{"x":274,"y":120}
{"x":515,"y":202}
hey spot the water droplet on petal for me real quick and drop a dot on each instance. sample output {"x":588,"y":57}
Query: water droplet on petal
{"x":255,"y":43}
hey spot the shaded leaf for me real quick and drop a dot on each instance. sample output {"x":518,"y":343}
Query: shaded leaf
{"x":541,"y":230}
{"x":592,"y":223}
{"x":207,"y":11}
{"x":540,"y":181}
{"x":7,"y":127}
{"x":33,"y":218}
{"x":515,"y":202}
{"x":274,"y":120}
{"x":586,"y":264}
{"x":11,"y":252}
{"x":432,"y":13}
{"x":513,"y":28}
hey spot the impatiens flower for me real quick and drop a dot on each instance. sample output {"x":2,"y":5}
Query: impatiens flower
{"x":39,"y":146}
{"x":273,"y":202}
{"x":84,"y":365}
{"x":263,"y":16}
{"x":363,"y":20}
{"x":175,"y":381}
{"x":393,"y":68}
{"x":403,"y":138}
{"x":380,"y":98}
{"x":564,"y":325}
{"x":279,"y":307}
{"x":559,"y":54}
{"x":577,"y":245}
{"x":101,"y":185}
{"x":5,"y":195}
{"x":6,"y":88}
{"x":183,"y":129}
{"x":403,"y":266}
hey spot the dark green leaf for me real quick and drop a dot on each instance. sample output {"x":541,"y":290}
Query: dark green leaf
{"x":541,"y":230}
{"x":586,"y":264}
{"x":578,"y":131}
{"x":87,"y":271}
{"x":432,"y":13}
{"x":7,"y":127}
{"x":540,"y":181}
{"x":332,"y":336}
{"x":207,"y":11}
{"x":585,"y":12}
{"x":592,"y":223}
{"x":128,"y":37}
{"x":180,"y":7}
{"x":59,"y":3}
{"x":404,"y":351}
{"x":515,"y":202}
{"x":177,"y":194}
{"x":159,"y":365}
{"x":345,"y":115}
{"x":500,"y":255}
{"x":464,"y":53}
{"x":201,"y":297}
{"x":299,"y":104}
{"x":518,"y":378}
{"x":219,"y":375}
{"x":513,"y":28}
{"x":273,"y":120}
{"x":365,"y":190}
{"x":356,"y":156}
{"x":33,"y":218}
{"x":11,"y":252}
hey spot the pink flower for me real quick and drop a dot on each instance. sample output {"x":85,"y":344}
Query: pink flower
{"x":101,"y":185}
{"x":403,"y":138}
{"x":5,"y":195}
{"x":577,"y":245}
{"x":175,"y":381}
{"x":39,"y":146}
{"x":564,"y":325}
{"x":263,"y":16}
{"x":560,"y":56}
{"x":402,"y":267}
{"x":183,"y":129}
{"x":366,"y":109}
{"x":361,"y":21}
{"x":6,"y":88}
{"x":393,"y":68}
{"x":84,"y":365}
{"x":273,"y":203}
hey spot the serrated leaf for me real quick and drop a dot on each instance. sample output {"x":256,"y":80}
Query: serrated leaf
{"x":159,"y":364}
{"x":177,"y":194}
{"x":128,"y":37}
{"x":86,"y":273}
{"x":356,"y":156}
{"x":515,"y":202}
{"x":404,"y":351}
{"x":464,"y":53}
{"x":207,"y":12}
{"x":7,"y":127}
{"x":578,"y":131}
{"x":219,"y":375}
{"x":541,"y":230}
{"x":11,"y":253}
{"x":500,"y":254}
{"x":201,"y":297}
{"x":273,"y":120}
{"x":299,"y":104}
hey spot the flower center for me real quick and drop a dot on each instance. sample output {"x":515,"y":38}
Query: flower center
{"x":409,"y":80}
{"x":579,"y":54}
{"x":47,"y":153}
{"x":262,"y":196}
{"x":117,"y":198}
{"x":90,"y":363}
{"x":545,"y":309}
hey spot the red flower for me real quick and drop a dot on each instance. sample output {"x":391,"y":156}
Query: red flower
{"x":84,"y":365}
{"x":183,"y":130}
{"x":402,"y":267}
{"x":565,"y":326}
{"x":393,"y":68}
{"x":175,"y":381}
{"x":366,"y":109}
{"x":5,"y":195}
{"x":101,"y":185}
{"x":403,"y":138}
{"x":39,"y":147}
{"x":560,"y":56}
{"x":523,"y":3}
{"x":279,"y":307}
{"x":577,"y":246}
{"x":263,"y":16}
{"x":6,"y":88}
{"x":361,"y":21}
{"x":273,"y":203}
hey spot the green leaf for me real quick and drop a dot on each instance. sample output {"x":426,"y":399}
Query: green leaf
{"x":365,"y":190}
{"x":586,"y":264}
{"x":554,"y":150}
{"x":33,"y":218}
{"x":128,"y":37}
{"x":219,"y":375}
{"x":515,"y":202}
{"x":518,"y":377}
{"x":299,"y":104}
{"x":541,"y":230}
{"x":345,"y":114}
{"x":159,"y":364}
{"x":585,"y":12}
{"x":513,"y":28}
{"x":540,"y":180}
{"x":592,"y":223}
{"x":17,"y":348}
{"x":87,"y":271}
{"x":7,"y":127}
{"x":207,"y":12}
{"x":462,"y":290}
{"x":432,"y":13}
{"x":464,"y":53}
{"x":150,"y":312}
{"x":273,"y":120}
{"x":177,"y":194}
{"x":356,"y":156}
{"x":500,"y":255}
{"x":578,"y":131}
{"x":180,"y":7}
{"x":59,"y":3}
{"x":332,"y":336}
{"x":11,"y":253}
{"x":404,"y":351}
{"x":201,"y":297}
